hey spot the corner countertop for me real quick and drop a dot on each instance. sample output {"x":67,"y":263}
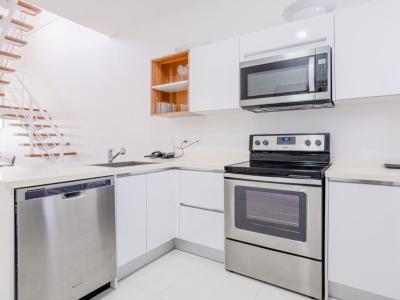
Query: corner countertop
{"x":34,"y":175}
{"x":368,"y":171}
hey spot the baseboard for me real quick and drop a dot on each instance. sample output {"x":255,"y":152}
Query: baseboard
{"x":200,"y":250}
{"x":343,"y":292}
{"x":145,"y":259}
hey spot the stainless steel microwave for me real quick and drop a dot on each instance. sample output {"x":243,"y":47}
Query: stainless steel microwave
{"x":295,"y":80}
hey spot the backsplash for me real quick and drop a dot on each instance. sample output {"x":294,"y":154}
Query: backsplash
{"x":359,"y":129}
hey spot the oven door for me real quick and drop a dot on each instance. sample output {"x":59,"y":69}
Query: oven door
{"x":296,"y":78}
{"x":280,"y":216}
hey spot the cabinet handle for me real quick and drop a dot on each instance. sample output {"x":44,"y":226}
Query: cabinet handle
{"x":203,"y":208}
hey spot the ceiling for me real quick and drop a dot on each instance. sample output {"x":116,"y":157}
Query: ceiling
{"x":124,"y":15}
{"x":111,"y":19}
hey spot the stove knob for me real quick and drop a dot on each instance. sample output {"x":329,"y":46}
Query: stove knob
{"x":265,"y":142}
{"x":257,"y":143}
{"x":308,"y":143}
{"x":318,"y":143}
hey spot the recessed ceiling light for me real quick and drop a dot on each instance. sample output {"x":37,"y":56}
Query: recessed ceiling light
{"x":302,"y":9}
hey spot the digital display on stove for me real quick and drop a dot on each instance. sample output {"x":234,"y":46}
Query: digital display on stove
{"x":286,"y":140}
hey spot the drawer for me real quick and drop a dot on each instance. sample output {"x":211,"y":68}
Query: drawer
{"x":202,"y":189}
{"x":202,"y":227}
{"x":201,"y":180}
{"x":212,"y":199}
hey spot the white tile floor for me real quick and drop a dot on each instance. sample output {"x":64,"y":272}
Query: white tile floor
{"x":182,"y":276}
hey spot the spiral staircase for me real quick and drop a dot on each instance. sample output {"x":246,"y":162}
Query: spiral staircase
{"x":19,"y":110}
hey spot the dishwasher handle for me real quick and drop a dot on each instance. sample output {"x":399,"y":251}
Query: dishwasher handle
{"x":72,"y":195}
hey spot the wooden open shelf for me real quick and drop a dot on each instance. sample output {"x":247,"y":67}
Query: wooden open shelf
{"x":168,"y":87}
{"x":178,"y":86}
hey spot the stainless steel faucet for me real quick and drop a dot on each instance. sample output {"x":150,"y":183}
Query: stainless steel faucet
{"x":112,"y":157}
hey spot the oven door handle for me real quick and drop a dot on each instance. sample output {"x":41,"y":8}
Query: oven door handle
{"x":282,"y":180}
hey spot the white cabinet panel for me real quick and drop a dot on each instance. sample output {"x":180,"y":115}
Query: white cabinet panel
{"x":202,"y":180}
{"x":367,"y":50}
{"x":318,"y":31}
{"x":202,"y":227}
{"x":212,"y":199}
{"x":214,"y":76}
{"x":131,"y":218}
{"x":364,"y":239}
{"x":160,"y":208}
{"x":202,"y":189}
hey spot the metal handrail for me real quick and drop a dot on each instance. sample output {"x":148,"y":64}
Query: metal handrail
{"x":22,"y":117}
{"x":35,"y":104}
{"x":20,"y":91}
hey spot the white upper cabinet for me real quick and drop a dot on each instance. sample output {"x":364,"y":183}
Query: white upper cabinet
{"x":313,"y":31}
{"x":160,"y":208}
{"x":364,"y":238}
{"x":367,"y":50}
{"x":214,"y":76}
{"x":131,"y":218}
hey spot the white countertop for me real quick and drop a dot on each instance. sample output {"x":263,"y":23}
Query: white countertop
{"x":26,"y":176}
{"x":372,"y":170}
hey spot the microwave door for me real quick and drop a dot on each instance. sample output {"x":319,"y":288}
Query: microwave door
{"x":279,"y":82}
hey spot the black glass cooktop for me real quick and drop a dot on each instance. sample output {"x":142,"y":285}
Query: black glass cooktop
{"x":281,"y":169}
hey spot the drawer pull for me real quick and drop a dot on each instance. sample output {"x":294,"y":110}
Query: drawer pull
{"x":203,"y":208}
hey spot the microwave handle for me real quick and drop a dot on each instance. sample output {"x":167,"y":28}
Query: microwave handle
{"x":311,"y":73}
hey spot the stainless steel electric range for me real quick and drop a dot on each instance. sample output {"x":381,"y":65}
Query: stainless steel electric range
{"x":275,"y":212}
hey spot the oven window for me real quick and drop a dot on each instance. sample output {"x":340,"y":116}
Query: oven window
{"x":271,"y":212}
{"x":276,"y":79}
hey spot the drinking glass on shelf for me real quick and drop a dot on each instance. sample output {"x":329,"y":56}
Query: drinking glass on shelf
{"x":183,"y":72}
{"x":183,"y":107}
{"x":173,"y":107}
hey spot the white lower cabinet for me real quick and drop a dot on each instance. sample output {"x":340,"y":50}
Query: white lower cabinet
{"x":160,"y":209}
{"x":145,"y":213}
{"x":203,"y":189}
{"x":202,"y":227}
{"x":131,"y":218}
{"x":364,"y":237}
{"x":201,"y":204}
{"x":150,"y":211}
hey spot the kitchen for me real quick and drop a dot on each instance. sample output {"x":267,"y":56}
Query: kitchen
{"x":362,"y":126}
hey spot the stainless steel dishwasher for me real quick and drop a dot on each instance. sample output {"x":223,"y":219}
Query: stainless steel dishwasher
{"x":65,"y":239}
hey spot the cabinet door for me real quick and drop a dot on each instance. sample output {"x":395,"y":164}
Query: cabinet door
{"x":202,"y":189}
{"x":131,"y":218}
{"x":214,"y":76}
{"x":316,"y":31}
{"x":364,"y":239}
{"x":160,"y":208}
{"x":367,"y":50}
{"x":202,"y":227}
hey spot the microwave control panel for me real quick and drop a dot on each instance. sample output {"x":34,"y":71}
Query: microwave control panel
{"x":321,"y":72}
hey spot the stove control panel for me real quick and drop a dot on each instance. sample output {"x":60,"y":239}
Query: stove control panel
{"x":290,"y":142}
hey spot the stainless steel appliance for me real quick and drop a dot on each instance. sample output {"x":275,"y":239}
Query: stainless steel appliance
{"x":274,"y":212}
{"x":65,"y":239}
{"x":294,"y":80}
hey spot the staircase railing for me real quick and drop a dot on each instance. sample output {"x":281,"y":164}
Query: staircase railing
{"x":27,"y":110}
{"x":23,"y":104}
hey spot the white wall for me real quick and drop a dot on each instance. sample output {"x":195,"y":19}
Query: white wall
{"x":97,"y":88}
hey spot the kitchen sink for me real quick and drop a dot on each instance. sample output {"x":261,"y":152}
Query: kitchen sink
{"x":124,"y":164}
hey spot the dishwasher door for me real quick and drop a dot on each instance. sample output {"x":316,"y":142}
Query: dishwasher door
{"x":65,"y":239}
